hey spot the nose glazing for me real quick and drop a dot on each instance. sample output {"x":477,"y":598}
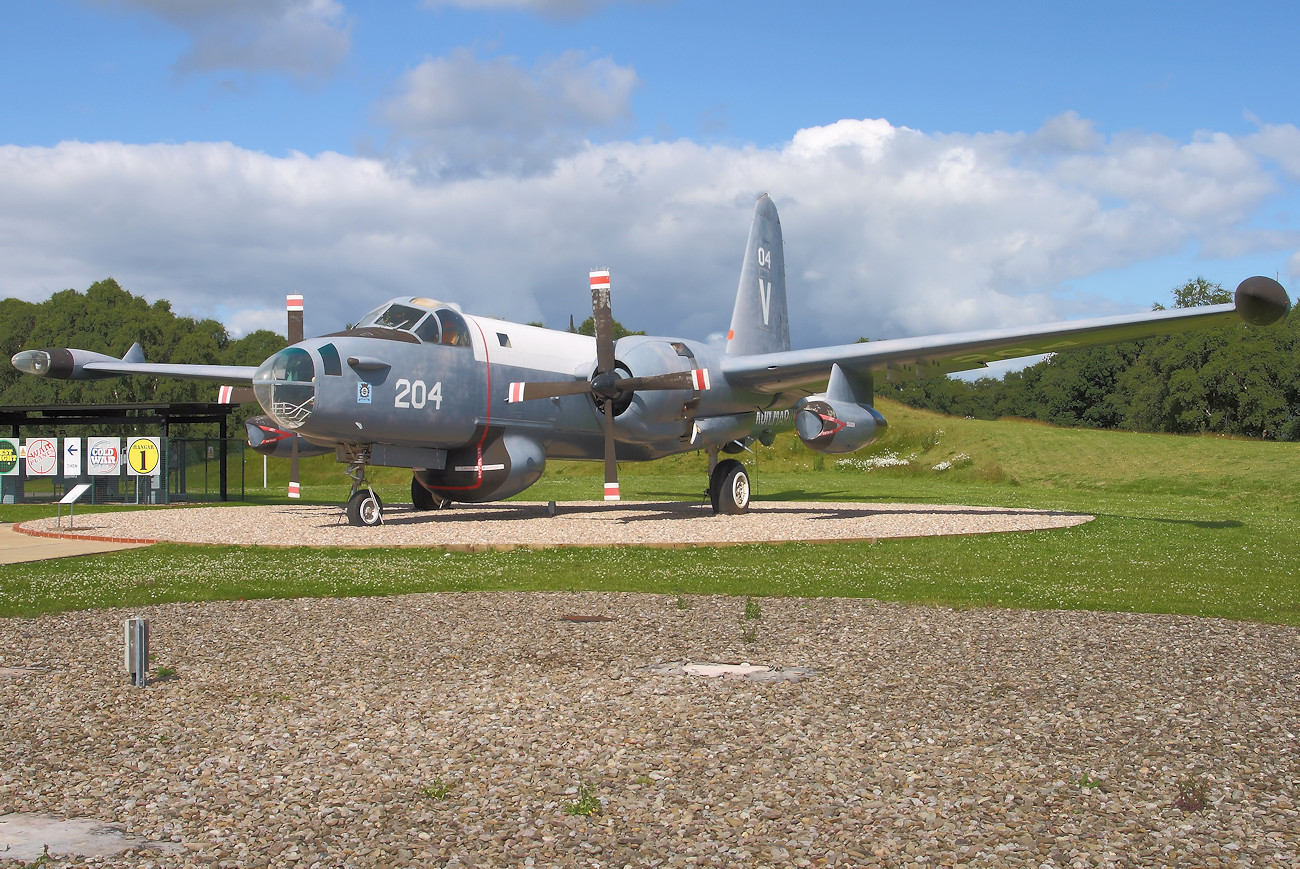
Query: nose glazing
{"x":285,"y":386}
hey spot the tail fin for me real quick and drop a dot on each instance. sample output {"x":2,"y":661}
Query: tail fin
{"x":759,"y":323}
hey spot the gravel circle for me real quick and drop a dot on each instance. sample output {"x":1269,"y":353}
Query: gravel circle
{"x":486,"y":729}
{"x":593,"y":523}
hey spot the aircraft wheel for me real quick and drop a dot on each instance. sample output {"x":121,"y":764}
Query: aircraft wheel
{"x":729,"y":488}
{"x":423,"y":499}
{"x":365,"y":509}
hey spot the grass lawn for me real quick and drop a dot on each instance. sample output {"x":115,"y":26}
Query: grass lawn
{"x":1194,"y":525}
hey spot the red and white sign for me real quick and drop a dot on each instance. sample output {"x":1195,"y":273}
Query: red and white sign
{"x":600,"y":279}
{"x":42,"y":456}
{"x":293,"y":303}
{"x":103,"y":456}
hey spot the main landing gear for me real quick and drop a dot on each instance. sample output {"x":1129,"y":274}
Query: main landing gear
{"x":423,"y":499}
{"x":728,"y":485}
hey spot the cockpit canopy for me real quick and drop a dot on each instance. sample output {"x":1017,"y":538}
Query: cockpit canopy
{"x":432,"y":322}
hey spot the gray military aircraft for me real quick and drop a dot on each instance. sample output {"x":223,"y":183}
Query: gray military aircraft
{"x":475,"y":406}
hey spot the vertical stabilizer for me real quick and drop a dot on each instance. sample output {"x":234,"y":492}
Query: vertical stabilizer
{"x":759,"y":323}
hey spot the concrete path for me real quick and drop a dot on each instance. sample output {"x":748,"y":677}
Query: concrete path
{"x":15,"y":547}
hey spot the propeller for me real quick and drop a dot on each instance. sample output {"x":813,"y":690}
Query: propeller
{"x":607,"y":385}
{"x":294,"y":332}
{"x":261,"y":426}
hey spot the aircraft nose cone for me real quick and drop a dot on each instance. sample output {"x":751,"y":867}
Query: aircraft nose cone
{"x":35,"y":362}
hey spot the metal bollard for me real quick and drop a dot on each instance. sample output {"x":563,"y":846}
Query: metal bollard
{"x":137,"y":651}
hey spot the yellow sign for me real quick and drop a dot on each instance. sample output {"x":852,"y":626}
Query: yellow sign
{"x":142,"y":456}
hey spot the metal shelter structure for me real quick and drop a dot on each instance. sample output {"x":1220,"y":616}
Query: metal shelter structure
{"x":159,"y":416}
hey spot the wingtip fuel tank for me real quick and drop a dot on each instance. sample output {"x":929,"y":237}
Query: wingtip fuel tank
{"x":1261,"y":301}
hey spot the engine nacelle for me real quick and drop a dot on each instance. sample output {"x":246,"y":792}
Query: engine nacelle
{"x":831,"y":426}
{"x":500,"y":466}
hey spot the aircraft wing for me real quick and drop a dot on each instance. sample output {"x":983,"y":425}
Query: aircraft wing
{"x":67,"y":364}
{"x":1258,"y":303}
{"x":215,"y":373}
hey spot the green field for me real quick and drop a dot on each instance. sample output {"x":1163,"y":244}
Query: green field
{"x":1194,"y":525}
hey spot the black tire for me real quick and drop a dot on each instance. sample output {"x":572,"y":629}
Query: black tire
{"x":423,"y":499}
{"x":729,"y":488}
{"x":365,"y":509}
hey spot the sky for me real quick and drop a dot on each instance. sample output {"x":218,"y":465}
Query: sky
{"x":938,"y":166}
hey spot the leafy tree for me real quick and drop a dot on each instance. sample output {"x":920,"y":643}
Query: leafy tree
{"x":1198,"y":291}
{"x":588,"y":327}
{"x":1230,"y":379}
{"x":108,"y":319}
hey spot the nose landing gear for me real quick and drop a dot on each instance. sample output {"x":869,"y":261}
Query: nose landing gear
{"x":364,"y":507}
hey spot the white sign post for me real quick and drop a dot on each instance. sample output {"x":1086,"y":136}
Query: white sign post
{"x":104,"y":456}
{"x":42,"y":456}
{"x":72,"y":457}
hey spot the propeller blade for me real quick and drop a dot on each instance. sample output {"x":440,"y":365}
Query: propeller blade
{"x":294,"y":332}
{"x":611,"y":462}
{"x":696,"y":378}
{"x":604,"y":320}
{"x":294,"y":490}
{"x":530,"y":390}
{"x":293,"y":306}
{"x":235,"y":395}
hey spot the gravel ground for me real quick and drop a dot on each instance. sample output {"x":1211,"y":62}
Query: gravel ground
{"x":455,"y":729}
{"x":590,"y":523}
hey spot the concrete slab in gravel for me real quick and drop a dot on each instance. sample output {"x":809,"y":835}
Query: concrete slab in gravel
{"x":16,"y":547}
{"x":747,"y":671}
{"x":25,"y":837}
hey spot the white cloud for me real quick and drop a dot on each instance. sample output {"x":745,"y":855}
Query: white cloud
{"x":1280,"y":142}
{"x":547,"y":8}
{"x":889,"y":231}
{"x":461,"y":115}
{"x":306,"y":39}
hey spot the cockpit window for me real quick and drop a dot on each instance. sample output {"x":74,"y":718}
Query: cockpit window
{"x":429,"y":331}
{"x":329,"y":354}
{"x":442,"y":326}
{"x":454,"y":330}
{"x":370,"y":318}
{"x":292,"y":364}
{"x":398,"y":317}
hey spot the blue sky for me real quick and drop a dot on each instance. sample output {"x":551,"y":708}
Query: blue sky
{"x":938,"y":166}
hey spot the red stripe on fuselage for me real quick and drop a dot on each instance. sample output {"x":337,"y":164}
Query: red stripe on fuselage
{"x":487,"y":370}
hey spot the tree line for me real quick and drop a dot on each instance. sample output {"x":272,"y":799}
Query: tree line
{"x":1233,"y":380}
{"x":108,"y":319}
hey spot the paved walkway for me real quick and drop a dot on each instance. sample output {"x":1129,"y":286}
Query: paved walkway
{"x":15,"y":547}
